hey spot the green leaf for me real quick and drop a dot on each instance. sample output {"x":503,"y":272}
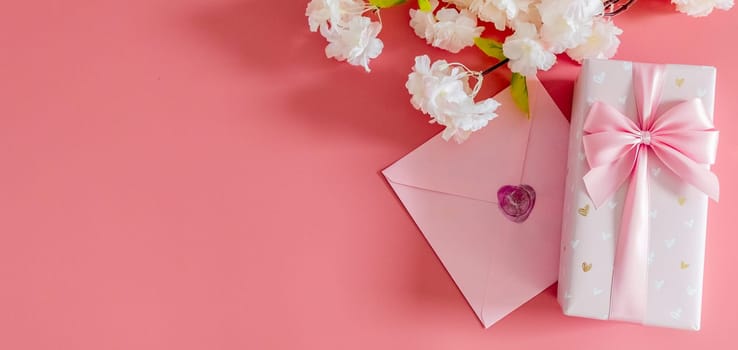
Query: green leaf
{"x":490,"y":47}
{"x":425,"y":5}
{"x":383,"y":4}
{"x":519,"y":90}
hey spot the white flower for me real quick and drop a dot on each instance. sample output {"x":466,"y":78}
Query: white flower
{"x":455,"y":30}
{"x":442,"y":91}
{"x":487,"y":11}
{"x":529,"y":15}
{"x":567,"y":23}
{"x":427,"y":82}
{"x":526,"y":52}
{"x":466,"y":117}
{"x":422,"y":22}
{"x":701,"y":8}
{"x":322,"y":13}
{"x":603,"y":43}
{"x":512,"y":7}
{"x":448,"y":29}
{"x":499,"y":12}
{"x":351,"y":37}
{"x":356,"y":42}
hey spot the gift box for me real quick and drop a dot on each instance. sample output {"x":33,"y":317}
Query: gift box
{"x":637,"y":191}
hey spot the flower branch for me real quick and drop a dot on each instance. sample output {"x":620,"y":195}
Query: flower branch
{"x":541,"y":29}
{"x":493,"y":68}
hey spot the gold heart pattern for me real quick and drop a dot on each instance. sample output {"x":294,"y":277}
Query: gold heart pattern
{"x":583,"y":211}
{"x":684,"y":265}
{"x":682,"y":200}
{"x":679,"y":82}
{"x":586,"y":267}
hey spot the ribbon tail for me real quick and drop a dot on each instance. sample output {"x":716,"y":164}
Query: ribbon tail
{"x":695,"y":174}
{"x":602,"y":182}
{"x":629,"y":293}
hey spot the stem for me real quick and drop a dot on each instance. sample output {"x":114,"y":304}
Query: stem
{"x":498,"y":65}
{"x":612,"y":8}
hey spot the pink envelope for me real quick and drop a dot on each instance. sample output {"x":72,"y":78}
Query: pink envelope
{"x":450,"y":190}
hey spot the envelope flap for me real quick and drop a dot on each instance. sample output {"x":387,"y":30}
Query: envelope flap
{"x":547,"y":146}
{"x":489,"y":159}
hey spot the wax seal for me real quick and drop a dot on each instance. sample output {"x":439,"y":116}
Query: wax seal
{"x":516,"y":202}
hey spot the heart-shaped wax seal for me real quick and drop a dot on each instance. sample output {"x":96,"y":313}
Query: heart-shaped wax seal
{"x":516,"y":202}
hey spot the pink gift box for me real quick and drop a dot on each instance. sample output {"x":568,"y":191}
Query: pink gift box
{"x":676,"y":216}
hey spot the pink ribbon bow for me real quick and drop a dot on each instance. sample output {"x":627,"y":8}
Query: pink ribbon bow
{"x":682,"y":137}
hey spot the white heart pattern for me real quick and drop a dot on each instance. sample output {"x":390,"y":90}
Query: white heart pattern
{"x":676,"y":314}
{"x":691,"y":291}
{"x":599,"y":78}
{"x":656,"y":171}
{"x":606,"y":236}
{"x":612,"y":204}
{"x":597,"y":291}
{"x":567,"y":295}
{"x":574,"y":243}
{"x":627,"y":66}
{"x":651,"y":258}
{"x":653,"y":213}
{"x":659,"y":284}
{"x":622,"y":100}
{"x":701,"y":92}
{"x":689,"y":223}
{"x":670,"y":242}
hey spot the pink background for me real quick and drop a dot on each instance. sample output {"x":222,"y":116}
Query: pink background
{"x":195,"y":174}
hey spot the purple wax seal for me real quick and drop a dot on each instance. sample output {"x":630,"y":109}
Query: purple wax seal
{"x":516,"y":202}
